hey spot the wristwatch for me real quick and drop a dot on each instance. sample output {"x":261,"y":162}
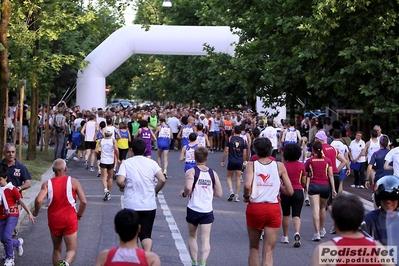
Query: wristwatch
{"x":20,"y":189}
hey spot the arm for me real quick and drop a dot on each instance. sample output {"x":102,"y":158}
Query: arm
{"x":152,"y":259}
{"x":161,"y":181}
{"x":303,"y":178}
{"x":120,"y":182}
{"x":225,"y":152}
{"x":83,"y":130}
{"x":116,"y":150}
{"x":153,"y":135}
{"x":81,"y":195}
{"x":387,"y":166}
{"x":102,"y":258}
{"x":369,"y":167}
{"x":249,"y":176}
{"x":287,"y":189}
{"x":207,"y":141}
{"x":26,"y":184}
{"x":39,"y":199}
{"x":217,"y":191}
{"x":188,"y":184}
{"x":344,"y":162}
{"x":331,"y":179}
{"x":182,"y":154}
{"x":23,"y":204}
{"x":179,"y":133}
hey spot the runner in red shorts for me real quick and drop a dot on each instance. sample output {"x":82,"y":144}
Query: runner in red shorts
{"x":63,"y":218}
{"x":261,"y":192}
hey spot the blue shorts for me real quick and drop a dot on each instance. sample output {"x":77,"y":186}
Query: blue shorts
{"x":163,"y":147}
{"x":197,"y":218}
{"x":323,"y":190}
{"x":188,"y":166}
{"x":342,"y":174}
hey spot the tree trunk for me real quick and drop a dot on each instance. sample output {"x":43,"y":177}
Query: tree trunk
{"x":4,"y":66}
{"x":31,"y":154}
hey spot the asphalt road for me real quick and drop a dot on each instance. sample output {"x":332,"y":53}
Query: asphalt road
{"x":229,"y":241}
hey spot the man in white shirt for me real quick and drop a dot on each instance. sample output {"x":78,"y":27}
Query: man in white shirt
{"x":271,"y":133}
{"x":136,"y":179}
{"x":392,"y":156}
{"x":174,"y":125}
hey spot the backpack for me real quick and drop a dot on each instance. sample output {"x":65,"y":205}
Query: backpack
{"x":76,"y":138}
{"x":197,"y":174}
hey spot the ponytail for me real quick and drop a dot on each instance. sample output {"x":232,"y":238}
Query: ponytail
{"x":317,"y":147}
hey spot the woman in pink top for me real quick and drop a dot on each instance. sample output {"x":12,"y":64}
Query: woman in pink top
{"x":321,"y":183}
{"x":297,"y":174}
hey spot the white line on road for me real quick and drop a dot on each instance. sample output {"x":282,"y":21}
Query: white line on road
{"x":179,"y":242}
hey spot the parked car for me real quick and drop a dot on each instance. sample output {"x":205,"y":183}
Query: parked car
{"x":120,"y":103}
{"x":147,"y":104}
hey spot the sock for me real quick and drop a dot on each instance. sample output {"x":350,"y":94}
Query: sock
{"x":231,"y":192}
{"x":105,"y":190}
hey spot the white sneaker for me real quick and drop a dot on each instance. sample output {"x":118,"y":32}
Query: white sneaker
{"x":316,"y":237}
{"x":353,"y":186}
{"x":20,"y":248}
{"x":307,"y":202}
{"x":236,"y":199}
{"x":9,"y":262}
{"x":322,"y":232}
{"x":284,"y":239}
{"x":297,"y":240}
{"x":332,"y":230}
{"x":361,"y":186}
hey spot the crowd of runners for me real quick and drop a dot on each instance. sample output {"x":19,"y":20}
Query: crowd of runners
{"x":287,"y":164}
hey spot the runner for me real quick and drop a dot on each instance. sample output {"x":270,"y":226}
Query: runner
{"x":89,"y":130}
{"x":147,"y":135}
{"x":187,"y":152}
{"x":164,"y":135}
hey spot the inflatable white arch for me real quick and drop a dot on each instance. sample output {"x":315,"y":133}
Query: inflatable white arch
{"x":129,"y":40}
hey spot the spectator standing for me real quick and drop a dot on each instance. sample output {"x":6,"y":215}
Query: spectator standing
{"x":59,"y":127}
{"x":356,"y":154}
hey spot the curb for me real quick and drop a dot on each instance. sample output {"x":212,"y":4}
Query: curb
{"x":31,"y":193}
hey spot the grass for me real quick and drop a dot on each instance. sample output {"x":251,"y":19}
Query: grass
{"x":39,"y":166}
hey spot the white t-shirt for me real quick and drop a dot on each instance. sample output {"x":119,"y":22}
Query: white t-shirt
{"x":270,"y":133}
{"x":139,"y":193}
{"x":356,"y":148}
{"x":107,"y":151}
{"x":174,"y":124}
{"x":212,"y":125}
{"x":342,"y":148}
{"x":393,"y":156}
{"x":77,"y":123}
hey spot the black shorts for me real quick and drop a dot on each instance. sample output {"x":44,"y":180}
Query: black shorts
{"x":323,"y":190}
{"x":131,"y":143}
{"x":294,"y":202}
{"x":197,"y":218}
{"x":146,"y":219}
{"x":123,"y":154}
{"x":90,"y":145}
{"x":107,"y":166}
{"x":211,"y":134}
{"x":232,"y":166}
{"x":175,"y":135}
{"x":99,"y":155}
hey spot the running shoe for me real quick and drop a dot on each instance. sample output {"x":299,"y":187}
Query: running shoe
{"x":9,"y":262}
{"x":316,"y":237}
{"x":307,"y":202}
{"x":361,"y":187}
{"x":86,"y":165}
{"x":332,"y":230}
{"x":231,"y":197}
{"x":322,"y":232}
{"x":236,"y":199}
{"x":284,"y":239}
{"x":297,"y":240}
{"x":91,"y":169}
{"x":106,"y":196}
{"x":98,"y":174}
{"x":20,"y":248}
{"x":63,"y":263}
{"x":353,"y":186}
{"x":115,"y":175}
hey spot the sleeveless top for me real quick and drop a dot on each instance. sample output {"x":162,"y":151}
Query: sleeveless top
{"x":228,"y":125}
{"x":374,"y":146}
{"x":190,"y":157}
{"x":266,"y":183}
{"x":364,"y":242}
{"x":61,"y":202}
{"x":290,"y":137}
{"x":90,"y":130}
{"x":201,"y":140}
{"x":164,"y":136}
{"x":153,"y":122}
{"x":202,"y":194}
{"x":123,"y":142}
{"x":126,"y":257}
{"x":217,"y":125}
{"x":107,"y":151}
{"x":244,"y":137}
{"x":146,"y":136}
{"x":185,"y":133}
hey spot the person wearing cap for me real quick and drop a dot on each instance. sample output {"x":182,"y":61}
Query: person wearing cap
{"x":357,"y":150}
{"x":109,"y":147}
